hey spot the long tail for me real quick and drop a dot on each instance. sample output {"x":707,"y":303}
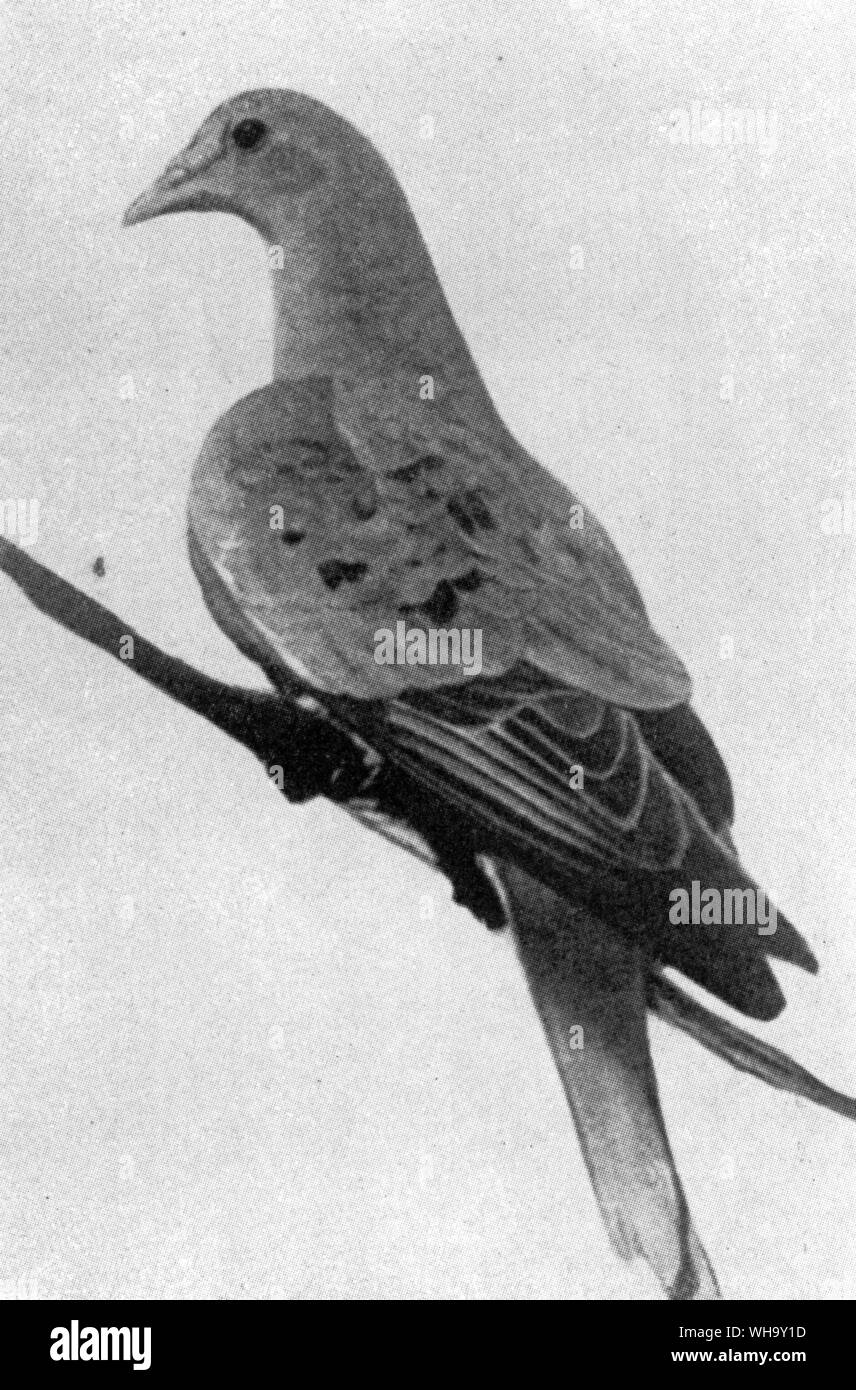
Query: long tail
{"x":588,"y":985}
{"x":742,"y":1050}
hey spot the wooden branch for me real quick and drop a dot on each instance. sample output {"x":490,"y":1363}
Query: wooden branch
{"x":310,"y":755}
{"x":316,"y":758}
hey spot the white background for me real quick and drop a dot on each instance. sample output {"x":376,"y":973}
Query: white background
{"x":246,"y":1049}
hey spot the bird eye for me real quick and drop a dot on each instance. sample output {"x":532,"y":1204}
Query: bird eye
{"x":248,"y":133}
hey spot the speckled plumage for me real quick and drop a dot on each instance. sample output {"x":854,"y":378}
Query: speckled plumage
{"x":329,"y":521}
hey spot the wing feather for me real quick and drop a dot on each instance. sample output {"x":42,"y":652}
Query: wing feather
{"x":330,"y":531}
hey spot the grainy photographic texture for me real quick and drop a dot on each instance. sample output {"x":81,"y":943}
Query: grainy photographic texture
{"x":486,"y":465}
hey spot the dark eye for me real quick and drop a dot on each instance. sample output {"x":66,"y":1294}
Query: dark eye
{"x":248,"y":133}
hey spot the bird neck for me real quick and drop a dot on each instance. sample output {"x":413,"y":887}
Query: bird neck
{"x":356,"y":297}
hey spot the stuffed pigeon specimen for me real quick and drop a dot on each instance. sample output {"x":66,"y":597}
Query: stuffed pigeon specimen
{"x":372,"y":492}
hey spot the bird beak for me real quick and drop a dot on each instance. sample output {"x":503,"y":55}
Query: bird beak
{"x":182,"y":187}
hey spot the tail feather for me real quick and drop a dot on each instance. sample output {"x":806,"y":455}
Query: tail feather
{"x":740,"y":1049}
{"x":584,"y":976}
{"x":728,"y":960}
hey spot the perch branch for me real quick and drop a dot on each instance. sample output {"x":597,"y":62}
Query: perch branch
{"x":309,"y":750}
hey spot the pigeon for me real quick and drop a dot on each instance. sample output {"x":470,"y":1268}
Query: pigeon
{"x":368,"y":531}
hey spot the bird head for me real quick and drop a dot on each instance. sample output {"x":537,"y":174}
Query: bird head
{"x":354,"y":278}
{"x":262,"y":155}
